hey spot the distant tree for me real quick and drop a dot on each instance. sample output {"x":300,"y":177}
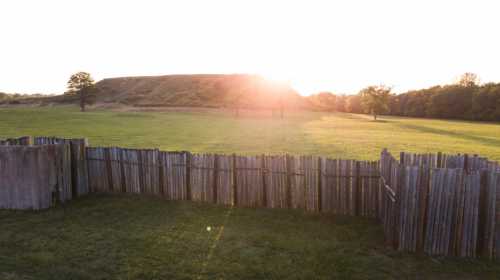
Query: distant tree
{"x":451,"y":101}
{"x":340,"y":103}
{"x":375,"y":99}
{"x":82,"y":84}
{"x":468,"y":79}
{"x":324,"y":101}
{"x":354,"y":104}
{"x":394,"y":105}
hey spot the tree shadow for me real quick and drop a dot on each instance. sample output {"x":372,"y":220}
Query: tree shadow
{"x":425,"y":129}
{"x":363,"y":118}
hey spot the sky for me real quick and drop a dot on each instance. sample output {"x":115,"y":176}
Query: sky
{"x":338,"y":46}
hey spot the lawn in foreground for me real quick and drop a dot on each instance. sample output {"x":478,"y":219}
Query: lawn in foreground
{"x":132,"y":237}
{"x":329,"y":134}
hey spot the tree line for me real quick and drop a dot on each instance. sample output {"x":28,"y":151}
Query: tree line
{"x":466,"y":100}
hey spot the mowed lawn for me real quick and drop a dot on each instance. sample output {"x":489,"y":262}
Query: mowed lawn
{"x":329,"y":134}
{"x":132,"y":237}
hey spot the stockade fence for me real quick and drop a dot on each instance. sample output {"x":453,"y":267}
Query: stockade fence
{"x":313,"y":183}
{"x":78,"y":163}
{"x":39,"y":172}
{"x":21,"y":141}
{"x":436,"y":204}
{"x":441,"y":204}
{"x":34,"y":177}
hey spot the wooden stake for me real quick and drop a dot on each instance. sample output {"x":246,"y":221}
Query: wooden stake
{"x":188,"y":175}
{"x":235,"y":189}
{"x":215,"y":178}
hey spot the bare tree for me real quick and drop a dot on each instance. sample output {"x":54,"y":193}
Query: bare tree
{"x":468,"y":79}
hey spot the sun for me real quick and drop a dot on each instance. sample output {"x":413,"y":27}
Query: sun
{"x":303,"y":83}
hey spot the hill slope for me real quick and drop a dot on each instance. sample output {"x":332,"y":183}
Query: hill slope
{"x":197,"y":90}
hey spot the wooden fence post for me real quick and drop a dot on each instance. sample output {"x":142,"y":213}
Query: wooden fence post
{"x":320,"y":175}
{"x":357,"y":192}
{"x":188,"y":175}
{"x":397,"y":212}
{"x":161,"y":175}
{"x":264,"y":186}
{"x":88,"y":163}
{"x":466,"y":163}
{"x":215,"y":179}
{"x":288,"y":187}
{"x":423,"y":183}
{"x":109,"y":169}
{"x":122,"y":172}
{"x":141,"y":171}
{"x":85,"y":166}
{"x":482,"y":210}
{"x":376,"y":166}
{"x":235,"y":189}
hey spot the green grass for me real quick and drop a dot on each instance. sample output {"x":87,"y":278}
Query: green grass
{"x":132,"y":237}
{"x":128,"y":237}
{"x":335,"y":135}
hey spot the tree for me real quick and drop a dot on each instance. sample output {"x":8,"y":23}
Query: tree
{"x":340,"y":103}
{"x":468,"y":79}
{"x":82,"y":84}
{"x":354,"y":104}
{"x":324,"y":100}
{"x":375,"y":99}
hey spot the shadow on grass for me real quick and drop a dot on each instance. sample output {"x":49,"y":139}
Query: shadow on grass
{"x":363,"y":118}
{"x":437,"y":131}
{"x":138,"y":237}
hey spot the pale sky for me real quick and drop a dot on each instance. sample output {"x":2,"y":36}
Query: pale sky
{"x":340,"y":46}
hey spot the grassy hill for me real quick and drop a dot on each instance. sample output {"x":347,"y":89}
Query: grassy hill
{"x":200,"y":90}
{"x":203,"y":90}
{"x":197,"y":90}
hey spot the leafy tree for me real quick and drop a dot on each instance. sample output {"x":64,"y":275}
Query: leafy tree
{"x":327,"y":100}
{"x":340,"y":103}
{"x":451,"y":102}
{"x":375,"y":99}
{"x":354,"y":104}
{"x":82,"y":84}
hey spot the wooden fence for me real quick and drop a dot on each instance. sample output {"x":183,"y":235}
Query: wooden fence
{"x":440,"y":160}
{"x":34,"y":177}
{"x":79,"y":173}
{"x":21,"y":141}
{"x":442,"y":204}
{"x":67,"y":163}
{"x":313,"y":183}
{"x":436,"y":204}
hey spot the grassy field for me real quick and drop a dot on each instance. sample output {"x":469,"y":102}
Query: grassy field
{"x":131,"y":237}
{"x":335,"y":135}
